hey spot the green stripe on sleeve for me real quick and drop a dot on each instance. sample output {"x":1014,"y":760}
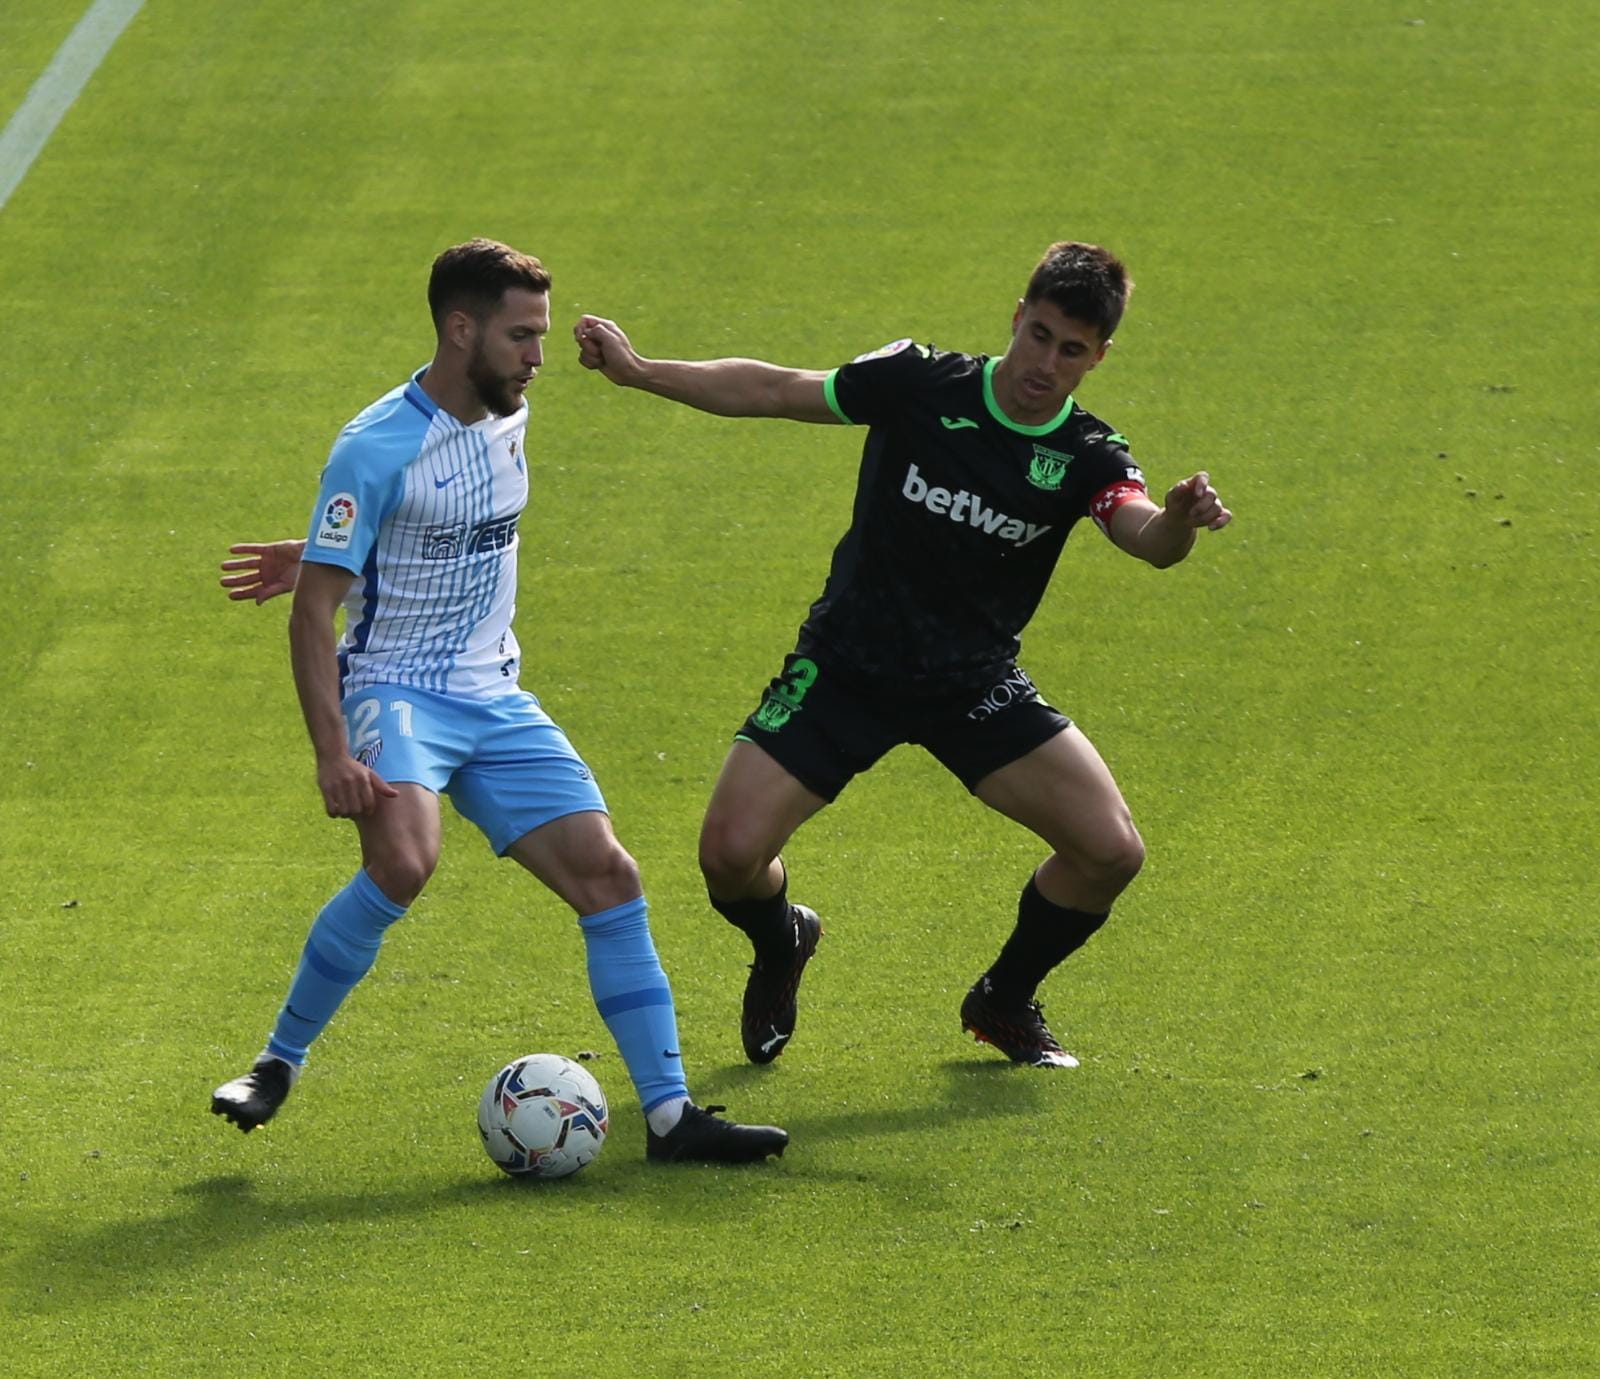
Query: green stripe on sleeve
{"x":833,"y":400}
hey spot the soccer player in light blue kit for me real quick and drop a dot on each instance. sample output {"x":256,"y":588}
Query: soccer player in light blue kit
{"x":415,"y":534}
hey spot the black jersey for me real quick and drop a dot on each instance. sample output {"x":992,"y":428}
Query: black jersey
{"x":960,"y":516}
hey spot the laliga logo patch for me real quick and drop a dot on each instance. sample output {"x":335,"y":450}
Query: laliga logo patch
{"x":884,"y":351}
{"x":337,"y":519}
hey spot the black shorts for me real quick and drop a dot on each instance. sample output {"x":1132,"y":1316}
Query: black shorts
{"x":823,"y":732}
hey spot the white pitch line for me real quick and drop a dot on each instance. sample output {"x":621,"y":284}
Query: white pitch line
{"x":29,"y":130}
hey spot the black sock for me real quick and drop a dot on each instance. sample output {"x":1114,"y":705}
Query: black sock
{"x":765,"y":922}
{"x":1046,"y":934}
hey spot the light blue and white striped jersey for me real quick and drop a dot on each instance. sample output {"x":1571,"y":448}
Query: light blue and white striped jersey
{"x":424,"y":510}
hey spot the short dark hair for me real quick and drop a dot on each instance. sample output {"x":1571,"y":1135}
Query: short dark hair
{"x":474,"y":277}
{"x":1087,"y":282}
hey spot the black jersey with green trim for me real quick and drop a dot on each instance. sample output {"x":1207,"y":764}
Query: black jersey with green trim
{"x":960,"y":516}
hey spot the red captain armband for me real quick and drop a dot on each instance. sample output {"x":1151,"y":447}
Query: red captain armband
{"x":1112,"y":497}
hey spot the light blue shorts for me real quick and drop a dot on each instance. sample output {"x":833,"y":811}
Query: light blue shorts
{"x":502,"y":761}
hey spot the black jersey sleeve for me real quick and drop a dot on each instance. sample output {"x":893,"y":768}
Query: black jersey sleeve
{"x":871,"y":388}
{"x":1109,"y":478}
{"x":1107,"y":461}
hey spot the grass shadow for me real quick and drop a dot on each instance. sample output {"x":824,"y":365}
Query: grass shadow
{"x":224,"y":1213}
{"x":975,"y":1089}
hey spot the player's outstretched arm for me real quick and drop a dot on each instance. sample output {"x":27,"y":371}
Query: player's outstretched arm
{"x":725,"y":387}
{"x":267,"y":569}
{"x":1165,"y":535}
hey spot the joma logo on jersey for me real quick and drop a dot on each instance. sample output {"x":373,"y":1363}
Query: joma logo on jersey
{"x":457,"y":539}
{"x":1047,"y":468}
{"x":970,"y":508}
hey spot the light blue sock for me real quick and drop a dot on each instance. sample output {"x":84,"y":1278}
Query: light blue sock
{"x":339,"y":952}
{"x":631,"y":993}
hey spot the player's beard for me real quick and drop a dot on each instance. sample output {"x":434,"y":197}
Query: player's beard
{"x":494,"y":390}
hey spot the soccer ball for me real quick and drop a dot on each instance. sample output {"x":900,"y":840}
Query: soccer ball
{"x":543,"y":1115}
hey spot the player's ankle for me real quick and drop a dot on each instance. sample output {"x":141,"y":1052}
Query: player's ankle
{"x":664,"y":1118}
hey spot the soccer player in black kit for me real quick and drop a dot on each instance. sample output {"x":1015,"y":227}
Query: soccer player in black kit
{"x":973,"y":473}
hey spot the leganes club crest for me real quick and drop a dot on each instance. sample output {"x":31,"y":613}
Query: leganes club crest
{"x":1047,"y":468}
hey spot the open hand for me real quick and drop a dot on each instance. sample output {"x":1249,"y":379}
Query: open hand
{"x":268,"y":569}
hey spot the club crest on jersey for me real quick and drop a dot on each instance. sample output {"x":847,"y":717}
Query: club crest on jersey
{"x":338,"y":517}
{"x":894,"y":347}
{"x":1047,"y":468}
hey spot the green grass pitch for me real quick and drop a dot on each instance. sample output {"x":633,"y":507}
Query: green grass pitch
{"x":1339,"y":1104}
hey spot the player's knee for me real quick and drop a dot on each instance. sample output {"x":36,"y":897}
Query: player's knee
{"x":1116,"y":857}
{"x":604,"y":876}
{"x":730,"y":855}
{"x":402,"y":875}
{"x":619,"y":875}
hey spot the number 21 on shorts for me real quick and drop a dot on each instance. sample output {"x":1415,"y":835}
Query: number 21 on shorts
{"x":364,"y":729}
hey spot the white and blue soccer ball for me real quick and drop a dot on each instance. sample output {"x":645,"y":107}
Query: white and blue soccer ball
{"x":543,"y":1116}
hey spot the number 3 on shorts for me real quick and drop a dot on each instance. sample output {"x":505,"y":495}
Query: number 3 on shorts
{"x":796,"y":680}
{"x":784,"y":696}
